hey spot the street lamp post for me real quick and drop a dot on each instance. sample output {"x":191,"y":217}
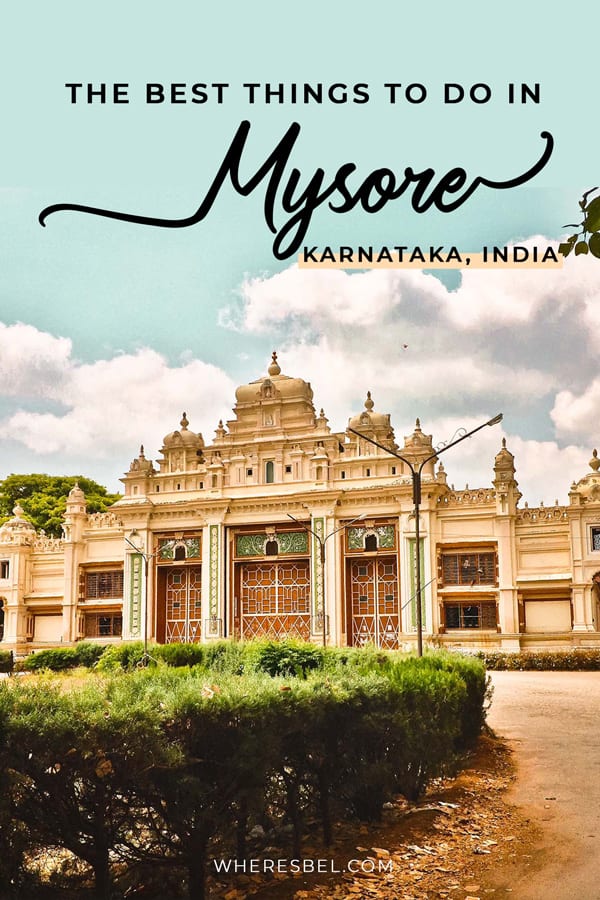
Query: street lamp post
{"x":415,"y":471}
{"x":322,"y":541}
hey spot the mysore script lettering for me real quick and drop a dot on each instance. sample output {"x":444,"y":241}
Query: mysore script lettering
{"x":286,"y":188}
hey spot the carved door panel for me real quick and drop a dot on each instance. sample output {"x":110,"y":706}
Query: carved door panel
{"x":373,"y":600}
{"x":183,"y":620}
{"x":275,"y":599}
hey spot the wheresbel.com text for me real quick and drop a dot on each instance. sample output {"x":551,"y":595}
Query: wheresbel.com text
{"x":304,"y":866}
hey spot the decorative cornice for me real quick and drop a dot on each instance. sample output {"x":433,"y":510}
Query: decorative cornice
{"x":468,"y":497}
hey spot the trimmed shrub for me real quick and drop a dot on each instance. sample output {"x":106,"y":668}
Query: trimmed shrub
{"x":121,"y":656}
{"x":227,"y":657}
{"x":162,"y":767}
{"x":7,"y":661}
{"x":288,"y":657}
{"x":88,"y":653}
{"x":178,"y":654}
{"x":544,"y":660}
{"x":56,"y":659}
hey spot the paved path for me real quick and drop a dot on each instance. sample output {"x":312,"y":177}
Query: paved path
{"x":552,"y":722}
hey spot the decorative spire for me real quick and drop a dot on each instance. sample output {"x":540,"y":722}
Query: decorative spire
{"x":184,"y":422}
{"x":142,"y":452}
{"x":274,"y":368}
{"x":369,"y":404}
{"x":417,"y":424}
{"x":594,"y":461}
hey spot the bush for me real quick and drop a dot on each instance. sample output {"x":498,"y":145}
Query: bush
{"x":163,"y":767}
{"x":57,"y":659}
{"x":7,"y":661}
{"x":125,"y":656}
{"x":88,"y":653}
{"x":288,"y":657}
{"x":179,"y":654}
{"x":546,"y":660}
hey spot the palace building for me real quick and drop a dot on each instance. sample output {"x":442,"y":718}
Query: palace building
{"x":281,"y":527}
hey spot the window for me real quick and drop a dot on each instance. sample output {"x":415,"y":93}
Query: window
{"x":103,"y":585}
{"x":269,"y":472}
{"x":288,"y":470}
{"x":370,"y":542}
{"x":4,"y":568}
{"x":343,"y":474}
{"x":469,"y":568}
{"x":393,"y":470}
{"x":271,"y":548}
{"x":249,"y":473}
{"x":368,"y":473}
{"x":104,"y":625}
{"x":595,"y":537}
{"x":470,"y":615}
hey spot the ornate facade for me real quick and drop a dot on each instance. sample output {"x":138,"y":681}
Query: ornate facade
{"x":280,"y":527}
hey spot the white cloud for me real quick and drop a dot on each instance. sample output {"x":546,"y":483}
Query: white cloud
{"x":112,"y":405}
{"x":522,"y":341}
{"x":578,"y":415}
{"x":32,"y":362}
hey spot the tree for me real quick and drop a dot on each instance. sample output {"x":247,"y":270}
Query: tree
{"x":44,"y":498}
{"x":588,"y":239}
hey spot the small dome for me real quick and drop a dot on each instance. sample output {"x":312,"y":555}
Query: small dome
{"x":76,"y":495}
{"x":274,"y":386}
{"x":371,"y":420}
{"x":183,"y":438}
{"x":17,"y":525}
{"x":504,"y":459}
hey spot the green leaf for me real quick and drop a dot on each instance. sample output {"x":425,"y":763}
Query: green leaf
{"x":581,"y":247}
{"x":595,"y":244}
{"x":592,"y":216}
{"x":565,"y":249}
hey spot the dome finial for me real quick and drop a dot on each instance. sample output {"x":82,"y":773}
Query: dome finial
{"x":274,"y":368}
{"x":594,"y":461}
{"x":369,"y":404}
{"x":184,"y":421}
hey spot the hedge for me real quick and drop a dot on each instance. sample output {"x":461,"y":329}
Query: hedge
{"x":544,"y":660}
{"x":144,"y":776}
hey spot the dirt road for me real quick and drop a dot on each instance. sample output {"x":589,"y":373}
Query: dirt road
{"x":552,"y":721}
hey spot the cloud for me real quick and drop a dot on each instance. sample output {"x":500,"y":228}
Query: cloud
{"x":524,"y":342}
{"x":111,"y":405}
{"x":32,"y":362}
{"x":577,"y":415}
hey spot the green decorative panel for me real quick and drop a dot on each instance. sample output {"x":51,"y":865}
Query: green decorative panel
{"x":250,"y":544}
{"x":167,"y":547}
{"x":293,"y":542}
{"x":386,"y":537}
{"x":319,"y":574}
{"x":136,"y":587}
{"x":413,"y":582}
{"x":287,"y":541}
{"x":213,"y":599}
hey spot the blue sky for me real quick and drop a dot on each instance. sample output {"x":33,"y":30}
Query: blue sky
{"x":111,"y":329}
